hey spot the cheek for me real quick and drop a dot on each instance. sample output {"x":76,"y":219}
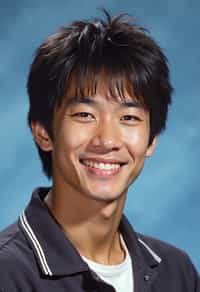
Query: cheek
{"x":71,"y":138}
{"x":68,"y":143}
{"x":137,"y":142}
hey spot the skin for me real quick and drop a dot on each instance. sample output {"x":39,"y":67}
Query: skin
{"x":89,"y":205}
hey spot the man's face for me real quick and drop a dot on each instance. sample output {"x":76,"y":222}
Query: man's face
{"x":99,"y":145}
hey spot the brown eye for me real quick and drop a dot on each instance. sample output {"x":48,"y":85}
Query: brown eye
{"x":130,"y":118}
{"x":83,"y":116}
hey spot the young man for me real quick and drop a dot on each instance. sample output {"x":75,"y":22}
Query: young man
{"x":99,"y":94}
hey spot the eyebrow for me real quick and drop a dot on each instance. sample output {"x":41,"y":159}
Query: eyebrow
{"x":134,"y":103}
{"x":75,"y":100}
{"x":87,"y":100}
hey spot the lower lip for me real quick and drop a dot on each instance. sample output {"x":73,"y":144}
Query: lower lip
{"x":102,"y":172}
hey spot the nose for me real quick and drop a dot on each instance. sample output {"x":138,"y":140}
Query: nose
{"x":106,"y":137}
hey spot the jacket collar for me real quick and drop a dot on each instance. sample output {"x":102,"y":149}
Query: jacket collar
{"x":144,"y":259}
{"x":57,"y":256}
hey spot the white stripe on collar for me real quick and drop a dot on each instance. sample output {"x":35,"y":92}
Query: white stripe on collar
{"x":154,"y":255}
{"x":36,"y":244}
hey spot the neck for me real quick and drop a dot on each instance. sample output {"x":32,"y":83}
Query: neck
{"x":91,"y":225}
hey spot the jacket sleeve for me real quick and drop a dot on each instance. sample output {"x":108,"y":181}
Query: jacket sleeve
{"x":10,"y":275}
{"x":7,"y":283}
{"x":193,"y":276}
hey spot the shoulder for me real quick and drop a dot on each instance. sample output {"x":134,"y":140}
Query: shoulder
{"x":163,"y":249}
{"x":15,"y":256}
{"x":174,"y":260}
{"x":11,"y":247}
{"x":9,"y":239}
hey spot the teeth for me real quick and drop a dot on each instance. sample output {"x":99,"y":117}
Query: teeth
{"x":101,"y":165}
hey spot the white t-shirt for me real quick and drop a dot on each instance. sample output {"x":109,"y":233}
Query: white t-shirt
{"x":120,"y":276}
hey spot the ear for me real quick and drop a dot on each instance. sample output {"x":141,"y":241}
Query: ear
{"x":41,"y":136}
{"x":151,"y":147}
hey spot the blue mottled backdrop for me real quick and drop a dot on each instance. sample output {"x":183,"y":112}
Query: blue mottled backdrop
{"x":165,"y":200}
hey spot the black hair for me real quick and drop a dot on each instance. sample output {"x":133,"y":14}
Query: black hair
{"x":126,"y":52}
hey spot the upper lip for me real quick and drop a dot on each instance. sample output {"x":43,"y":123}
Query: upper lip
{"x":103,"y":160}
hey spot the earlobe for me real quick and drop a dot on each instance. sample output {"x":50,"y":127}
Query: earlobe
{"x":151,"y":147}
{"x":41,"y":136}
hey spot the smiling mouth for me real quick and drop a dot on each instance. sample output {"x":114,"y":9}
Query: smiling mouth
{"x":101,"y":168}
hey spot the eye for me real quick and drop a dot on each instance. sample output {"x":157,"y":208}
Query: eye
{"x":130,"y":118}
{"x":83,"y":116}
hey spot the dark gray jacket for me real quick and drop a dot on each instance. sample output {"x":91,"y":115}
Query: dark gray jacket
{"x":35,"y":256}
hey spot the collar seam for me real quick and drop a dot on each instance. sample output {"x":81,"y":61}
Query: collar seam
{"x":36,"y":244}
{"x":156,"y":257}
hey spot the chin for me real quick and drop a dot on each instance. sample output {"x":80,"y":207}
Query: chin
{"x":106,"y":196}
